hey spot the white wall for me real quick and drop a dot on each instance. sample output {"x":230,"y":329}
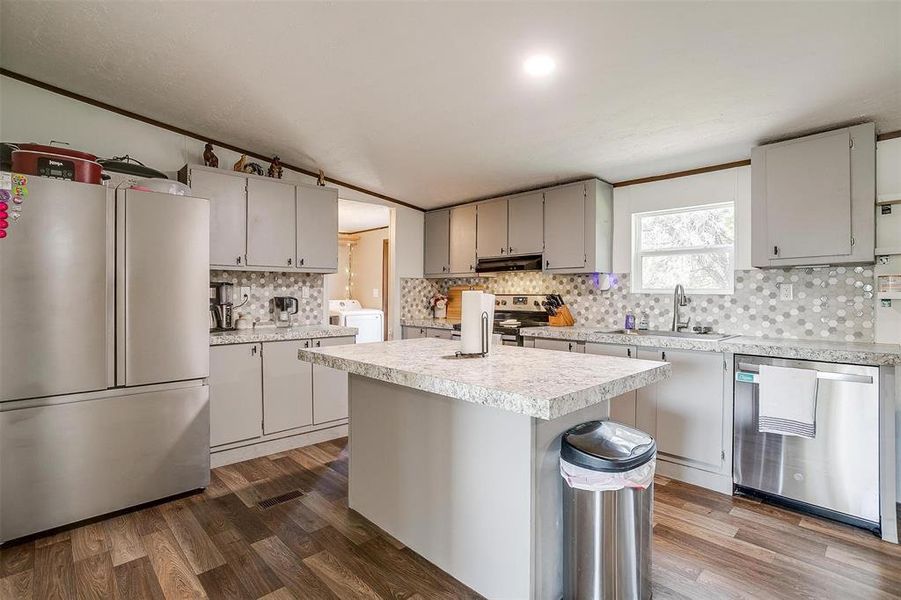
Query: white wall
{"x":729,"y":185}
{"x":29,"y":113}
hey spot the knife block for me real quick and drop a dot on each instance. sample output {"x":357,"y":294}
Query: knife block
{"x":563,"y":318}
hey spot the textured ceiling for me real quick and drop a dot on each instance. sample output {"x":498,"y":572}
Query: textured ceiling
{"x":428,"y":103}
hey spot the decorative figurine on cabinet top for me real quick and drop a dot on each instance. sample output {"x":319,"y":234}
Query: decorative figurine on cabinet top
{"x":254,"y":169}
{"x":241,"y":165}
{"x":210,"y":159}
{"x":275,"y":169}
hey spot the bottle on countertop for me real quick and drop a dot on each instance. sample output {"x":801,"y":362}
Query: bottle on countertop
{"x":630,"y":321}
{"x":643,"y":322}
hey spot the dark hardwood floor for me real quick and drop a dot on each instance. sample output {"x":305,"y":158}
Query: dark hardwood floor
{"x":308,"y":544}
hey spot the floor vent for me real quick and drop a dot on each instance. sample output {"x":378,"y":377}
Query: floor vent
{"x":276,"y":500}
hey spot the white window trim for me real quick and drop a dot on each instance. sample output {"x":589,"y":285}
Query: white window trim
{"x":637,"y":255}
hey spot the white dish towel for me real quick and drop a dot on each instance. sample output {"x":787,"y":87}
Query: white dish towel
{"x":787,"y":401}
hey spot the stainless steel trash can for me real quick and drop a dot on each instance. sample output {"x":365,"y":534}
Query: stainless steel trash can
{"x":608,"y":492}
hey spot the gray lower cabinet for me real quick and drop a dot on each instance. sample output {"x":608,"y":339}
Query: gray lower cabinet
{"x":463,"y":239}
{"x":622,"y":408}
{"x":270,"y":224}
{"x":437,"y":243}
{"x":236,"y":393}
{"x":329,"y":386}
{"x":317,"y":224}
{"x":409,"y":333}
{"x":564,"y":345}
{"x":443,"y":334}
{"x":287,"y":387}
{"x":227,"y":194}
{"x":685,"y":412}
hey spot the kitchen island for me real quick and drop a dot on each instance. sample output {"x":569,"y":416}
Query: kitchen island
{"x":458,"y":458}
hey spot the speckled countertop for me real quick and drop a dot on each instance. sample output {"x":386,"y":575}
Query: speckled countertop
{"x":827,"y":351}
{"x":430,"y":322}
{"x":278,"y":334}
{"x":539,"y":383}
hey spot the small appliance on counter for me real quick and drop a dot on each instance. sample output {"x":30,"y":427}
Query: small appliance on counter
{"x":221,"y":295}
{"x":558,"y":312}
{"x":284,"y":308}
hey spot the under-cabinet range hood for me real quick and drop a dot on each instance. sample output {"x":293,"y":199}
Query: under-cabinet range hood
{"x":531,"y":262}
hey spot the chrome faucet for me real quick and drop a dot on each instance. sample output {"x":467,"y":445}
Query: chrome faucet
{"x":679,"y":300}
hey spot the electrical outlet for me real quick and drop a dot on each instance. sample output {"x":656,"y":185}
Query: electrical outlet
{"x":244,"y":293}
{"x":786,"y":291}
{"x":305,"y":291}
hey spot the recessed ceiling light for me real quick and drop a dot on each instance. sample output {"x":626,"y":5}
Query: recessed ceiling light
{"x":539,"y":65}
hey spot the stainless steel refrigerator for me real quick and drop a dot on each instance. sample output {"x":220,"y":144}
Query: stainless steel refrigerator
{"x":104,"y":350}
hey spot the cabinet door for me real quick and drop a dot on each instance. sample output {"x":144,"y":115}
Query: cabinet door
{"x":491,"y":237}
{"x":564,"y":227}
{"x":808,"y":197}
{"x":329,"y":386}
{"x":443,"y":334}
{"x":525,"y":229}
{"x":317,"y":228}
{"x":463,"y":239}
{"x":685,"y":412}
{"x":287,"y":387}
{"x":564,"y":345}
{"x":411,"y":333}
{"x":236,"y":393}
{"x":228,"y":215}
{"x":270,"y":224}
{"x":437,"y":242}
{"x":622,"y":408}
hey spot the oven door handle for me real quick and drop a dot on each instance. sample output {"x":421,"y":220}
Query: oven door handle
{"x":748,"y":373}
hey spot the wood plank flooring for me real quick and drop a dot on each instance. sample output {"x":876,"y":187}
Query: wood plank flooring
{"x":221,"y":544}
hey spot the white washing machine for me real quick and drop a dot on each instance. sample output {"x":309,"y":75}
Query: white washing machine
{"x":368,"y":321}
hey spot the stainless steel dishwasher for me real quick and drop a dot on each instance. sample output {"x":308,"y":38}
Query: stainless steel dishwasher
{"x":836,"y":474}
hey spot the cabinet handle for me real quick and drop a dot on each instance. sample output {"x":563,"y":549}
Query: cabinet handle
{"x":289,"y":261}
{"x":776,"y":250}
{"x":547,"y":264}
{"x":663,"y":356}
{"x":318,"y":343}
{"x":502,"y":250}
{"x":472,"y":268}
{"x":306,"y":343}
{"x":570,"y":346}
{"x":510,"y":250}
{"x":301,"y":261}
{"x":253,"y":350}
{"x":629,"y":352}
{"x":238,"y":261}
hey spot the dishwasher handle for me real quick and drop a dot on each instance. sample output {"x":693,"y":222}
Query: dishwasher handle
{"x":748,"y":373}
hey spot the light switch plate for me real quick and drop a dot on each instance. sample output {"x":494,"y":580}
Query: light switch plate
{"x":786,"y":291}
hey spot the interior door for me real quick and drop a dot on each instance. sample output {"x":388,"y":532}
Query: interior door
{"x":270,"y":223}
{"x":162,"y":287}
{"x":564,"y":227}
{"x":56,"y":320}
{"x":287,"y":387}
{"x":808,"y":197}
{"x":437,"y":242}
{"x":463,"y":239}
{"x":526,"y":224}
{"x":227,"y":194}
{"x":317,"y":227}
{"x":491,"y":236}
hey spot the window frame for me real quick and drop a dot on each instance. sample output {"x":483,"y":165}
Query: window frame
{"x":637,"y":283}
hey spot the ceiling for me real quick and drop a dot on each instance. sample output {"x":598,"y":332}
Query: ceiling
{"x":428,"y":102}
{"x":360,"y":216}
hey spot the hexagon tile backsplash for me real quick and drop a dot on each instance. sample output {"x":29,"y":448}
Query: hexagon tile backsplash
{"x":265,"y":285}
{"x":829,"y":302}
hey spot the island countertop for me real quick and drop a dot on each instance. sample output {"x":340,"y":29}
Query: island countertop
{"x":538,"y":383}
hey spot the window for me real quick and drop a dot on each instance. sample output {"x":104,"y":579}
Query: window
{"x":693,"y":246}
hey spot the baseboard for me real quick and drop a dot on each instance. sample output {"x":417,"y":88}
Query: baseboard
{"x":705,"y":479}
{"x":226,"y":457}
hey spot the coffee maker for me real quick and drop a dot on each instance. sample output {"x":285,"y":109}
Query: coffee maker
{"x":221,"y":306}
{"x":284,"y":307}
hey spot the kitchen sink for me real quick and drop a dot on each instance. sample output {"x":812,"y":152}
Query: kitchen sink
{"x":680,"y":334}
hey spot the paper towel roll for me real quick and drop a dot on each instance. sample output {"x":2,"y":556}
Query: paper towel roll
{"x":473,"y":306}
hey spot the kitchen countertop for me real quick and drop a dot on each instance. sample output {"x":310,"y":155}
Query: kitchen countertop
{"x":278,"y":334}
{"x":430,"y":322}
{"x":827,"y":351}
{"x":538,"y":383}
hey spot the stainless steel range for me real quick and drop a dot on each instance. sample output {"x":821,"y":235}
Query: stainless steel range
{"x":514,"y":311}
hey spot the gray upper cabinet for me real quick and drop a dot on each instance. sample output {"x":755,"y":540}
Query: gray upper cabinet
{"x":270,"y":223}
{"x":317,"y":228}
{"x":227,"y":194}
{"x":812,"y":199}
{"x":564,"y":233}
{"x":463,"y":239}
{"x":491,"y":238}
{"x":437,"y":243}
{"x":525,"y":224}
